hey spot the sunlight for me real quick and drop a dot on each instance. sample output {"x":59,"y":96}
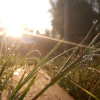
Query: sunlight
{"x":33,"y":13}
{"x":17,"y":71}
{"x":14,"y":31}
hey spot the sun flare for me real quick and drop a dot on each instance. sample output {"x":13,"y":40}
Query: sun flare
{"x":14,"y":31}
{"x":33,"y":13}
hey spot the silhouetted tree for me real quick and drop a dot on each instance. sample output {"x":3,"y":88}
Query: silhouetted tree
{"x":80,"y":16}
{"x":58,"y":17}
{"x":72,"y":19}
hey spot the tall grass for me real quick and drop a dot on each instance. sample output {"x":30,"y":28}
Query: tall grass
{"x":71,"y":64}
{"x":10,"y":61}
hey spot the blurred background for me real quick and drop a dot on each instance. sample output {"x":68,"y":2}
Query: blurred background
{"x":29,"y":29}
{"x":28,"y":21}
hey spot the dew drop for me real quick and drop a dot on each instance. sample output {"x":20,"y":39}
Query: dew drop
{"x":8,"y":48}
{"x":70,"y":72}
{"x":95,"y":21}
{"x":91,"y":58}
{"x":52,"y":61}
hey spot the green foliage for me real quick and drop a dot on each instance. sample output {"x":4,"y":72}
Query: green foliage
{"x":10,"y":62}
{"x":72,"y":64}
{"x":77,"y":73}
{"x":85,"y":76}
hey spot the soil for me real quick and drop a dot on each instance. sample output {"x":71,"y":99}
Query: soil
{"x":53,"y":93}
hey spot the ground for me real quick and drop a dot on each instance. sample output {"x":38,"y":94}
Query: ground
{"x":53,"y":93}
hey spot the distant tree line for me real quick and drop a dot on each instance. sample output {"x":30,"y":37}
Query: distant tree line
{"x":72,"y":19}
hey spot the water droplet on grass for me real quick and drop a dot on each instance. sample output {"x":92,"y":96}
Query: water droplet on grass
{"x":16,"y":73}
{"x":91,"y":58}
{"x":95,"y":21}
{"x":8,"y":48}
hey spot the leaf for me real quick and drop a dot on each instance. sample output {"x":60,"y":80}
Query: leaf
{"x":33,"y":72}
{"x":89,"y":93}
{"x":41,"y":63}
{"x":17,"y":87}
{"x":27,"y":89}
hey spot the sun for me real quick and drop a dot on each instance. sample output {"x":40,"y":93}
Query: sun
{"x":14,"y":31}
{"x":33,"y":13}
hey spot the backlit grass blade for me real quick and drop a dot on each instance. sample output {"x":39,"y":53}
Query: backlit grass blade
{"x":25,"y":57}
{"x":43,"y":61}
{"x":27,"y":88}
{"x":58,"y":56}
{"x":89,"y":93}
{"x":5,"y":82}
{"x":92,"y":43}
{"x":53,"y":81}
{"x":4,"y":66}
{"x":17,"y":87}
{"x":77,"y":47}
{"x":66,"y":67}
{"x":8,"y":60}
{"x":33,"y":72}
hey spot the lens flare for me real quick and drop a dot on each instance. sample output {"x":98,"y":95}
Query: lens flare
{"x":33,"y":13}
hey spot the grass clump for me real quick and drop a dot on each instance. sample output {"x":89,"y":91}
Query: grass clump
{"x":78,"y":74}
{"x":74,"y":62}
{"x":12,"y":61}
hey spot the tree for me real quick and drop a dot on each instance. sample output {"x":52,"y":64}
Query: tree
{"x":72,"y":19}
{"x":57,"y":12}
{"x":80,"y":16}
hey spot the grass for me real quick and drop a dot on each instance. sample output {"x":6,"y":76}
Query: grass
{"x":78,"y":74}
{"x":71,"y":64}
{"x":83,"y":78}
{"x":11,"y":62}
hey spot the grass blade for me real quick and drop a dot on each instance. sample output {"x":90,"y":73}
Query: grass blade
{"x":89,"y":93}
{"x":17,"y":87}
{"x":27,"y":88}
{"x":33,"y":72}
{"x":77,"y":47}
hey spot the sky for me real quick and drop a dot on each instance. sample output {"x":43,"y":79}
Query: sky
{"x":32,"y":13}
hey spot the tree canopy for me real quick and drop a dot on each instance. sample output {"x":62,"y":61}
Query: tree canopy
{"x":72,"y":19}
{"x":57,"y":12}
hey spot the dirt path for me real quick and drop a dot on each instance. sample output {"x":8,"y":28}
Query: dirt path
{"x":53,"y":93}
